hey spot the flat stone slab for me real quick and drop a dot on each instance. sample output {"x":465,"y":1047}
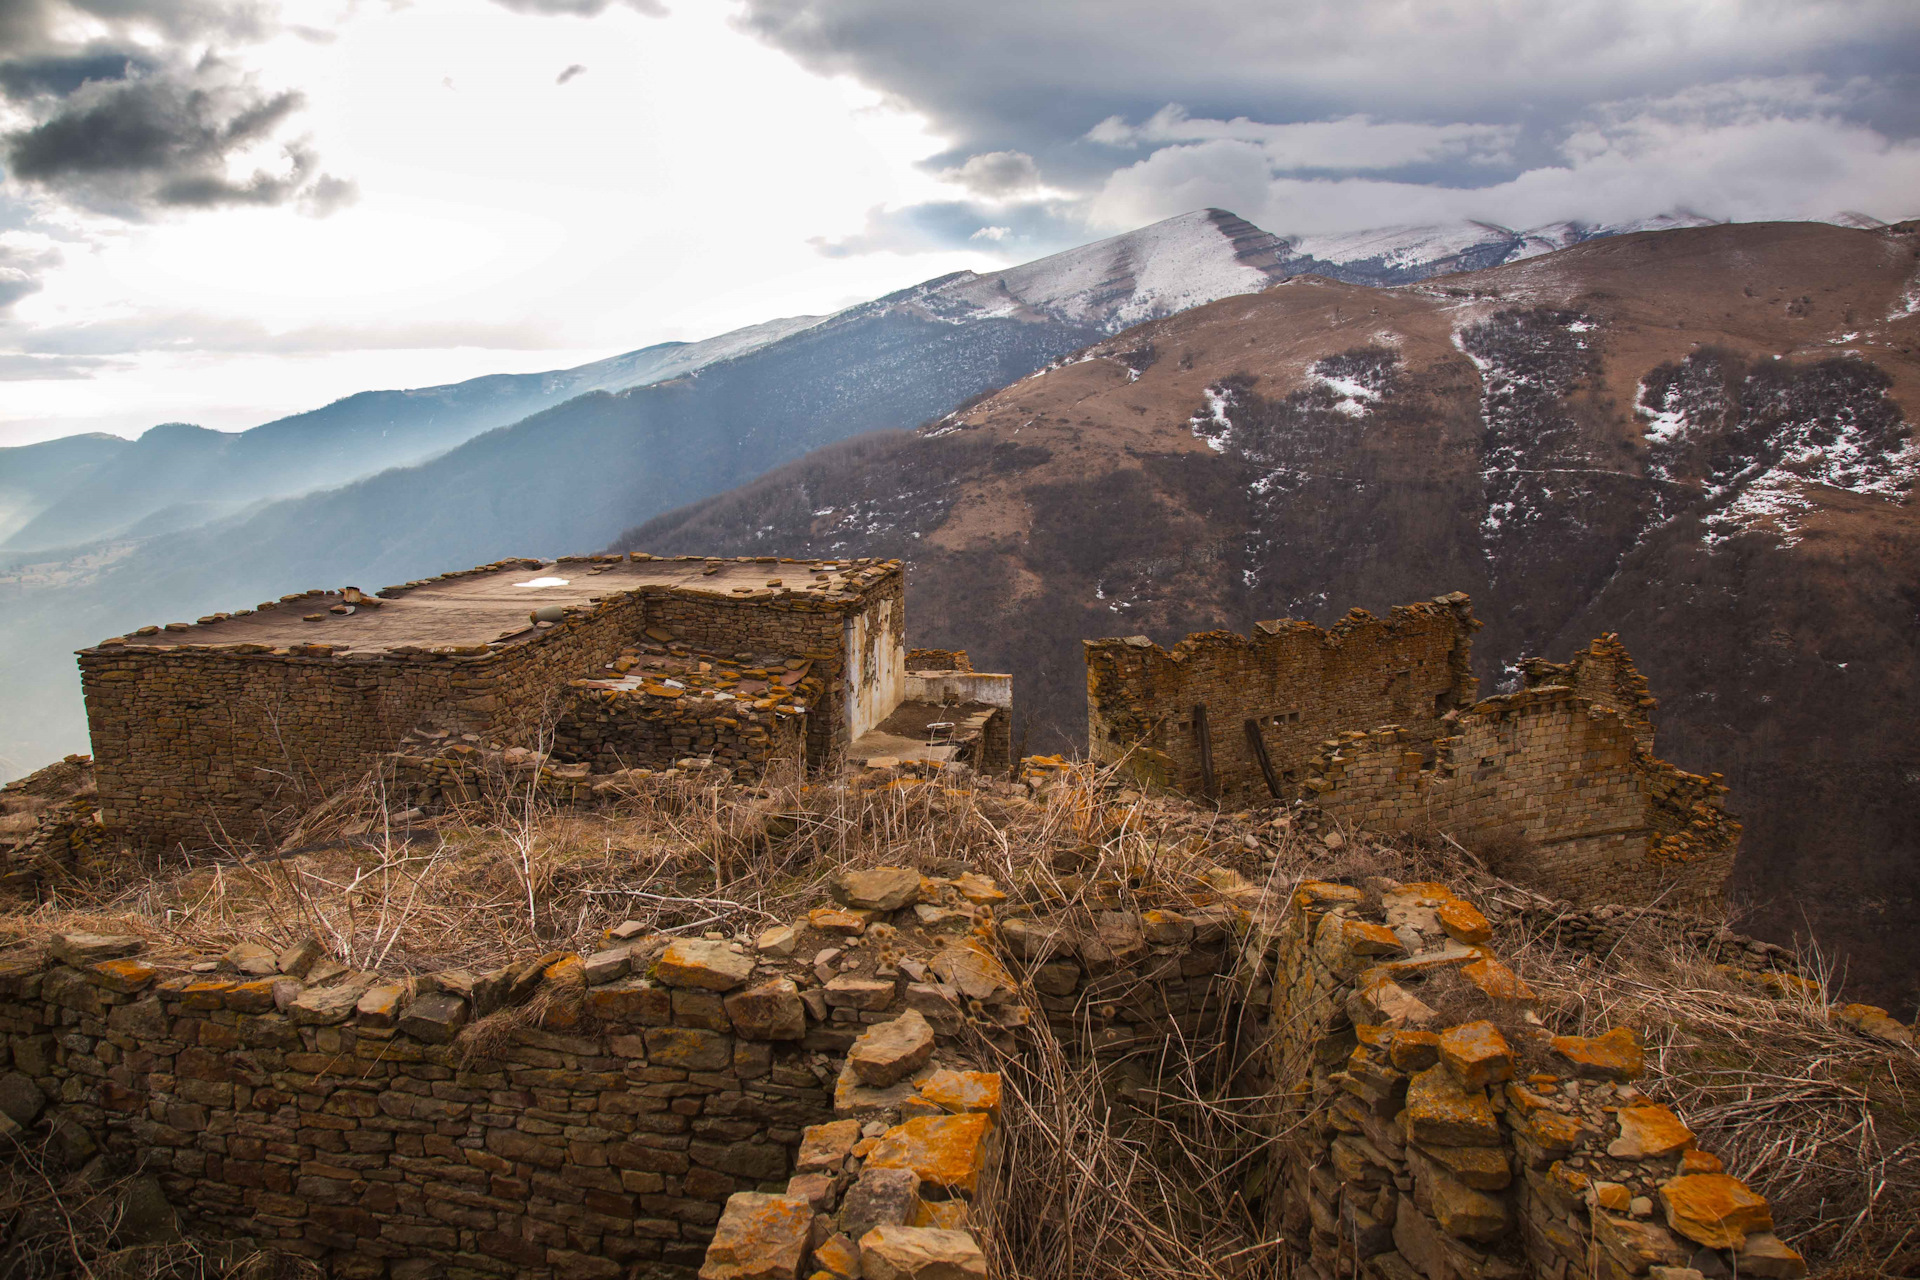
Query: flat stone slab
{"x":702,"y":965}
{"x":82,"y":949}
{"x":878,"y":888}
{"x":920,"y":1253}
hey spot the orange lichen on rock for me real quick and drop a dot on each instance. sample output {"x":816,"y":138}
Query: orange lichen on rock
{"x":760,"y":1237}
{"x":948,"y":1152}
{"x":1714,"y":1209}
{"x":1463,"y":922}
{"x":1617,"y":1055}
{"x":1649,"y":1130}
{"x":1477,"y":1054}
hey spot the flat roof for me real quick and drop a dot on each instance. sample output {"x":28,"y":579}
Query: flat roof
{"x":491,"y":604}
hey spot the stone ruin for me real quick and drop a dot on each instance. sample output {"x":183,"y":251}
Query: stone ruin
{"x":1376,"y":720}
{"x":820,"y":1099}
{"x":589,"y":667}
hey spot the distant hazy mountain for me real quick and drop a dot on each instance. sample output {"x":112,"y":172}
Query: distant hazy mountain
{"x":177,"y":475}
{"x":34,"y":476}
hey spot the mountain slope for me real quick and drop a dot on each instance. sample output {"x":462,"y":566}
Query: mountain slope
{"x":177,"y":475}
{"x":1697,"y":438}
{"x":35,"y":476}
{"x":575,"y":474}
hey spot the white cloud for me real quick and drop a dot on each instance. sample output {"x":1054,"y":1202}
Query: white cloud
{"x":1352,"y":142}
{"x":1744,"y":151}
{"x":996,"y":173}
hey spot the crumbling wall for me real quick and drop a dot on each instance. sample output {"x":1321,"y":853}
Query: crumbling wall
{"x":1603,"y":673}
{"x":615,"y":729}
{"x":1474,"y":1144}
{"x":1561,"y":784}
{"x":1296,"y":684}
{"x":195,"y":744}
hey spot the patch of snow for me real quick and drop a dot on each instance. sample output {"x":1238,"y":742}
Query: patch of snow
{"x":1403,"y":246}
{"x":1907,"y":303}
{"x":1114,"y":284}
{"x":1773,"y":499}
{"x":542,"y":582}
{"x":1214,"y":426}
{"x":1845,"y":337}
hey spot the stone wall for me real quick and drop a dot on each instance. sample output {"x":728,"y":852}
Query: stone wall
{"x":1604,"y":673}
{"x":566,"y":1116}
{"x":1296,"y":684}
{"x":1374,"y":721}
{"x":1560,"y":785}
{"x":1471,"y":1144}
{"x":615,"y":729}
{"x":198,"y":744}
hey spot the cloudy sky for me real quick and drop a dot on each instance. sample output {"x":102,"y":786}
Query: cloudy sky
{"x":221,"y":211}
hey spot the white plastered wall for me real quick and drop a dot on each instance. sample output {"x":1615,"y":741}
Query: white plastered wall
{"x":876,"y":665}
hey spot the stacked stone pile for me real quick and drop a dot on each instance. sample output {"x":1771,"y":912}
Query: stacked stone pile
{"x":888,"y":1191}
{"x":1459,"y":1139}
{"x":50,"y":824}
{"x":663,"y":700}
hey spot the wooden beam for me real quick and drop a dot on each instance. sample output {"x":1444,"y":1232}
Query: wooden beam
{"x":1206,"y":749}
{"x":1260,"y":754}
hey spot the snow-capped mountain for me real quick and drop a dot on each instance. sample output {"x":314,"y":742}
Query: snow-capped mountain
{"x":1114,"y":284}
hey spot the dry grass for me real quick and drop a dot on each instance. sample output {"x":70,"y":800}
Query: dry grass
{"x":1821,"y":1120}
{"x":1141,"y":1168}
{"x":57,"y":1222}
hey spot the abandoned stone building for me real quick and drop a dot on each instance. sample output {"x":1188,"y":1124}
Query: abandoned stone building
{"x":1376,"y":721}
{"x":232,"y":725}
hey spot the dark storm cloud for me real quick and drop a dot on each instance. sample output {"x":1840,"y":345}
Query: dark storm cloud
{"x":131,"y":129}
{"x":1382,"y":111}
{"x":1013,"y":74}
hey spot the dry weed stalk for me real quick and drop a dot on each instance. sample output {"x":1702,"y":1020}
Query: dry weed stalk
{"x":1821,"y":1120}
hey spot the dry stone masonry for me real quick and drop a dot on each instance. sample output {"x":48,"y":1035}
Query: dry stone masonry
{"x":566,"y":1116}
{"x":1375,"y":722}
{"x":1433,"y":1128}
{"x":230,"y":727}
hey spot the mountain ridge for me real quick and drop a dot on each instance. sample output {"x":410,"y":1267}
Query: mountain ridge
{"x":1511,"y":433}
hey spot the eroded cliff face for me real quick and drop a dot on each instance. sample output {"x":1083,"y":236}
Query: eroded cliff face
{"x":1697,"y":440}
